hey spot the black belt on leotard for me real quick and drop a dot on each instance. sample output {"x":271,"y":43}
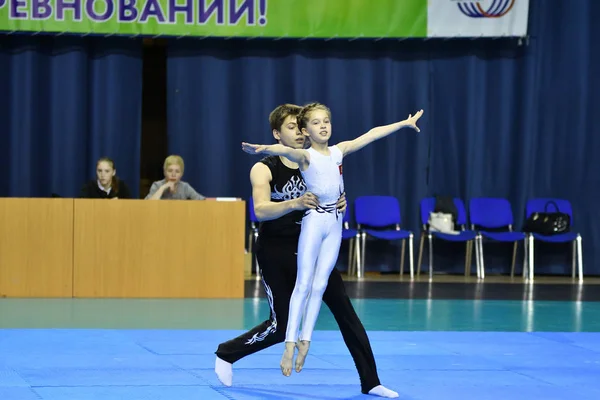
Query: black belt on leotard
{"x":326,"y":208}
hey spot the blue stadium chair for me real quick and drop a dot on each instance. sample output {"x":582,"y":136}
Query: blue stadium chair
{"x":465,"y":236}
{"x":374,"y":217}
{"x":492,"y":219}
{"x":353,"y":237}
{"x":564,"y":206}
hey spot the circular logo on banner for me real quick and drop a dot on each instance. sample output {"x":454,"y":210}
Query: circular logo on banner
{"x":497,"y":8}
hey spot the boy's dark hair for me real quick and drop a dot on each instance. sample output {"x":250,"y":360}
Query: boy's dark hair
{"x":280,"y":113}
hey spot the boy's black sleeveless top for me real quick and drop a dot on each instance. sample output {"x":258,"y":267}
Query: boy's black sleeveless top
{"x":286,"y":184}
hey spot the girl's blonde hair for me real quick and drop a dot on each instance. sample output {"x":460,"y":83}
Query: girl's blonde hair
{"x":304,"y":115}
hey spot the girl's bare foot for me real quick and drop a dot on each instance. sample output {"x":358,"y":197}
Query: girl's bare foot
{"x":286,"y":360}
{"x":302,"y":346}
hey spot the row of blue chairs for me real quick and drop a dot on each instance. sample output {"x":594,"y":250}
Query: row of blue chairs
{"x":491,"y":220}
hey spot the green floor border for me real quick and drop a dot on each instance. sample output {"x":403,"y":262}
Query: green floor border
{"x":376,"y":314}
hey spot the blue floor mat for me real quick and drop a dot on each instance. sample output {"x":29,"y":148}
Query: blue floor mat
{"x":178,"y":364}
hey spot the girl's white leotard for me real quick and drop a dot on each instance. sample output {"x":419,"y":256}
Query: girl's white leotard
{"x":319,"y":244}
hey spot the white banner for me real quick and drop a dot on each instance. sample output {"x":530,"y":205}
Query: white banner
{"x":484,"y":18}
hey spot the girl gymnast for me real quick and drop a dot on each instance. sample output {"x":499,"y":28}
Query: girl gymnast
{"x":321,"y":233}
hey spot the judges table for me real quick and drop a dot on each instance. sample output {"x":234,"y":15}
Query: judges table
{"x":121,"y":248}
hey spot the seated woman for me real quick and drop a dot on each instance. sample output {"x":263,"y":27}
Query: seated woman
{"x":106,"y":185}
{"x":172,"y":187}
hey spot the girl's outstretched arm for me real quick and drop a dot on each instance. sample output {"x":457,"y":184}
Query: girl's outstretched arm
{"x":299,"y":156}
{"x":350,"y":146}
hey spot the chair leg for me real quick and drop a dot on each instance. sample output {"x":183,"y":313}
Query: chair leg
{"x":351,"y":254}
{"x":580,"y":258}
{"x":514,"y":258}
{"x":470,"y":260}
{"x":573,"y":257}
{"x":252,"y":258}
{"x":525,"y":257}
{"x":411,"y":256}
{"x":477,"y":263}
{"x":257,"y":271}
{"x":421,"y":243}
{"x":530,"y":265}
{"x":430,"y":238}
{"x":481,"y":258}
{"x":468,"y":251}
{"x":357,"y":253}
{"x":364,"y":245}
{"x":402,"y":257}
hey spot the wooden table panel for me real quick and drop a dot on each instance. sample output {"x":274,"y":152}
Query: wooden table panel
{"x":158,"y":249}
{"x":36,"y":247}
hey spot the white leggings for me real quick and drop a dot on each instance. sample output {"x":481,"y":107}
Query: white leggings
{"x":318,"y":250}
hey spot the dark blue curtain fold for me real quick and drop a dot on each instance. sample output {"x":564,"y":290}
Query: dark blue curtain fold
{"x":503,"y":118}
{"x":64,"y":103}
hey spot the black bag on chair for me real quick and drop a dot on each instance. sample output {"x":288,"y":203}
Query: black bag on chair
{"x":548,"y":223}
{"x":445,"y":204}
{"x":444,"y":216}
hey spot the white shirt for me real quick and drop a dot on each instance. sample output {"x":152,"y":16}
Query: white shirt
{"x":102,"y":187}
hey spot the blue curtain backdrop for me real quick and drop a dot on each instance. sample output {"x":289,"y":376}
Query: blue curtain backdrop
{"x":502,"y":118}
{"x":64,"y":103}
